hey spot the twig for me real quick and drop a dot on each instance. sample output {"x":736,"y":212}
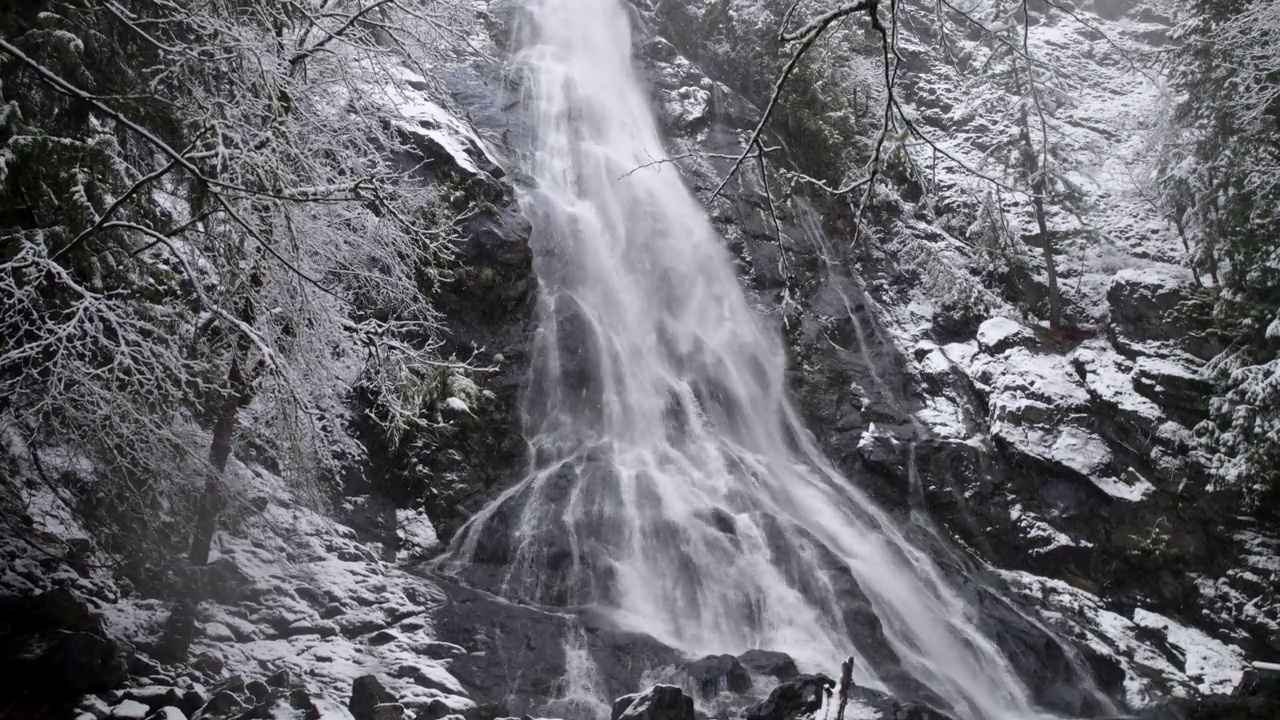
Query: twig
{"x":806,"y":36}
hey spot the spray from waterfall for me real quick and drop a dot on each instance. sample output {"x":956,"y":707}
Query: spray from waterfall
{"x":673,"y":484}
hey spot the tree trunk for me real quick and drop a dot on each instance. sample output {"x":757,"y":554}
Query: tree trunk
{"x":846,"y":684}
{"x":211,"y":500}
{"x":1050,"y":264}
{"x":1039,"y":185}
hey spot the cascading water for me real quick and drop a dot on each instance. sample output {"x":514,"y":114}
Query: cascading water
{"x":673,"y":484}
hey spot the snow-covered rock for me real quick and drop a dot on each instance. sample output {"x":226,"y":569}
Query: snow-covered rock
{"x":1000,"y":333}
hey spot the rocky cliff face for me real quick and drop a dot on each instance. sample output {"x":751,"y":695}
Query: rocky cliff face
{"x":1064,"y":459}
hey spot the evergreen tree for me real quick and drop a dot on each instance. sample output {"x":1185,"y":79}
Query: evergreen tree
{"x":1228,"y":183}
{"x":1024,"y":95}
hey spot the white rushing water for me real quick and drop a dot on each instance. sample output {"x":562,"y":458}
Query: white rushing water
{"x":673,"y":483}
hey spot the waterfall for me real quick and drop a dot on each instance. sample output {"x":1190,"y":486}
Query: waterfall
{"x":672,"y":484}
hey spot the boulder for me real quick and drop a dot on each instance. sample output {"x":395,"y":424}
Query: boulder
{"x":282,"y":679}
{"x":486,"y":711}
{"x":194,"y":698}
{"x":177,"y":634}
{"x":59,"y":663}
{"x":388,"y":711}
{"x":259,"y":690}
{"x":367,"y":692}
{"x":770,"y":664}
{"x":300,"y":700}
{"x":800,"y":696}
{"x":223,"y":702}
{"x":63,"y":609}
{"x":888,"y":707}
{"x":92,"y":706}
{"x":129,"y":710}
{"x":207,"y":664}
{"x":660,"y":702}
{"x":435,"y":710}
{"x":1174,"y":386}
{"x":715,"y":674}
{"x":225,"y":583}
{"x":53,"y":645}
{"x":154,"y":696}
{"x":1160,"y":304}
{"x":999,"y":334}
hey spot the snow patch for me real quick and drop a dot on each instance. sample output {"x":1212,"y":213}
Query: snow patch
{"x":428,"y":119}
{"x":1117,"y":488}
{"x":417,"y":534}
{"x":1081,"y":450}
{"x":1215,"y":666}
{"x":1208,"y":666}
{"x":1108,"y":376}
{"x":1000,"y":333}
{"x":1038,"y":529}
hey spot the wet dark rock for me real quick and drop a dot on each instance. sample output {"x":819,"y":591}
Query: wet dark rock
{"x":421,"y":678}
{"x":503,"y":635}
{"x":300,"y":700}
{"x":142,"y":666}
{"x":264,"y":710}
{"x":208,"y":664}
{"x":1174,"y":388}
{"x":891,"y":708}
{"x":281,"y":679}
{"x":367,"y":692}
{"x":225,"y":583}
{"x":800,"y":696}
{"x":54,"y":648}
{"x":660,"y":702}
{"x":885,"y":447}
{"x":154,"y":697}
{"x":715,"y":674}
{"x":487,"y":711}
{"x":223,"y":702}
{"x":770,"y":664}
{"x":310,"y":596}
{"x":719,"y":519}
{"x":489,"y":312}
{"x":382,"y":637}
{"x":1156,"y":306}
{"x":193,"y":699}
{"x":435,"y":710}
{"x":234,"y":684}
{"x":1255,"y":697}
{"x":388,"y":711}
{"x":258,"y":689}
{"x":1044,"y":663}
